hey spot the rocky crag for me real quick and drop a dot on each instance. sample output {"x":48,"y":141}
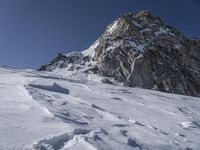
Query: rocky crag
{"x":139,"y":50}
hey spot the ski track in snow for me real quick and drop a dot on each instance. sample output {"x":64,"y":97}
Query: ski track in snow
{"x":41,"y":111}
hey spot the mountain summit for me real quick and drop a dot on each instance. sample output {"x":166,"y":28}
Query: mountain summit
{"x":139,"y":50}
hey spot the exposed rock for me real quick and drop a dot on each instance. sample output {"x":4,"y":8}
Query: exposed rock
{"x":141,"y":51}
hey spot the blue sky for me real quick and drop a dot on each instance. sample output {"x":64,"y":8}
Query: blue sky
{"x":33,"y":31}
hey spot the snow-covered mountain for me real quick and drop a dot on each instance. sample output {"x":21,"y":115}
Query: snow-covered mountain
{"x":138,"y":50}
{"x":44,"y":111}
{"x":67,"y":105}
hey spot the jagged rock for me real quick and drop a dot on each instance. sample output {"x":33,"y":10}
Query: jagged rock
{"x":141,"y":51}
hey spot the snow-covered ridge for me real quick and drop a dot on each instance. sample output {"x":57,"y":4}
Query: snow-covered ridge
{"x":47,"y":111}
{"x":91,"y":50}
{"x":112,"y":27}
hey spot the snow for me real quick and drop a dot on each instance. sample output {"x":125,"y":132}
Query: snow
{"x":23,"y":120}
{"x":137,"y":24}
{"x":162,"y":31}
{"x":178,"y":46}
{"x":113,"y":45}
{"x":76,"y":74}
{"x":76,"y":69}
{"x":48,"y":111}
{"x":91,"y":50}
{"x":77,"y":54}
{"x":112,"y":27}
{"x":139,"y":47}
{"x":145,"y":30}
{"x":132,"y":120}
{"x":186,"y":124}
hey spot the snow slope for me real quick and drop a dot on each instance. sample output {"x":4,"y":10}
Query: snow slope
{"x":43,"y":111}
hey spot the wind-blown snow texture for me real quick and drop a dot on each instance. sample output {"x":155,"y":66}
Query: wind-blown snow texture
{"x":44,"y":111}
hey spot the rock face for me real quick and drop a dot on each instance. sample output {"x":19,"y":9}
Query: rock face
{"x":140,"y":51}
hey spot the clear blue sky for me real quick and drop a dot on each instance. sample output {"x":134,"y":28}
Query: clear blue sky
{"x":33,"y":31}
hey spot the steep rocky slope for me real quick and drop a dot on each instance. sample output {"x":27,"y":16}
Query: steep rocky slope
{"x":138,"y":50}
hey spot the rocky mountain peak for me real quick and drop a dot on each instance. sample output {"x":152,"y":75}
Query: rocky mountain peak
{"x":132,"y":23}
{"x":139,"y":50}
{"x":144,"y":15}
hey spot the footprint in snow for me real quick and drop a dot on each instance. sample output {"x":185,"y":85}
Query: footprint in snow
{"x":156,"y":129}
{"x":120,"y":125}
{"x":124,"y":132}
{"x":184,"y":110}
{"x":179,"y":134}
{"x":96,"y":107}
{"x":116,"y":98}
{"x":134,"y":143}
